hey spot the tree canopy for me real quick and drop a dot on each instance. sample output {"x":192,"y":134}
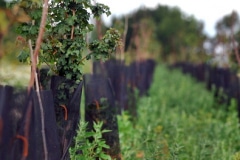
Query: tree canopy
{"x":169,"y":30}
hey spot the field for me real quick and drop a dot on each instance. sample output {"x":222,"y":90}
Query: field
{"x":180,"y":120}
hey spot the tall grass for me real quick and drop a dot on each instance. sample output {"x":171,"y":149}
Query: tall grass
{"x":180,"y":120}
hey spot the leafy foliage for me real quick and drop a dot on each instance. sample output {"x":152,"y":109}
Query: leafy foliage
{"x":228,"y":32}
{"x":65,"y":48}
{"x":175,"y":34}
{"x":85,"y":149}
{"x":65,"y":40}
{"x":8,"y":17}
{"x":227,"y":23}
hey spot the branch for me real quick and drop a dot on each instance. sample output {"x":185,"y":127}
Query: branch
{"x":72,"y":31}
{"x":38,"y":42}
{"x":51,"y":68}
{"x":84,"y":58}
{"x":33,"y":72}
{"x":41,"y":107}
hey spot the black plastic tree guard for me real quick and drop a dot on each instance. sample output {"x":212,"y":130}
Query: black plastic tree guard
{"x":68,"y":111}
{"x":99,"y":106}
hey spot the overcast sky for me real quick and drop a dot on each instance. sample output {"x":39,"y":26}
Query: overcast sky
{"x":208,"y":11}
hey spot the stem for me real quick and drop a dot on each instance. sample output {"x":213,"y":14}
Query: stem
{"x":41,"y":107}
{"x":84,"y":58}
{"x":52,"y":68}
{"x":72,"y":31}
{"x":42,"y":119}
{"x":38,"y":42}
{"x":33,"y":73}
{"x":99,"y":28}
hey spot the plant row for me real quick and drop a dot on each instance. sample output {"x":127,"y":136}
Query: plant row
{"x":224,"y":82}
{"x":180,"y":119}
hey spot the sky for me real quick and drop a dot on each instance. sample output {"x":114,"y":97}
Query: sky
{"x":207,"y":11}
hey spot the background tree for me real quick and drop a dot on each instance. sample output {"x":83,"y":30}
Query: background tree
{"x":9,"y":17}
{"x":227,"y":34}
{"x":175,"y":35}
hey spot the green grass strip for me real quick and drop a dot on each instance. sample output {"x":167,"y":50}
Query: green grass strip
{"x":180,"y":120}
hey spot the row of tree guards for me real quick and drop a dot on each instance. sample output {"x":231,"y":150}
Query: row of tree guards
{"x":108,"y":91}
{"x":224,"y":82}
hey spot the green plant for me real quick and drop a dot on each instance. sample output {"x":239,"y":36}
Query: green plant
{"x":127,"y":135}
{"x":64,"y":47}
{"x":64,"y":41}
{"x":85,"y":149}
{"x":178,"y":120}
{"x":56,"y":35}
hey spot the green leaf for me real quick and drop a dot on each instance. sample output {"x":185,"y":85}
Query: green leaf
{"x":88,"y":57}
{"x":23,"y":56}
{"x":69,"y":76}
{"x":103,"y":144}
{"x":105,"y":131}
{"x":89,"y":134}
{"x":104,"y":156}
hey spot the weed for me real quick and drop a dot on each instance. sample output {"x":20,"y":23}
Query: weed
{"x":85,"y":149}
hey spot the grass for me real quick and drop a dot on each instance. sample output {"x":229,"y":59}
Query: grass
{"x":180,"y":120}
{"x":14,"y":74}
